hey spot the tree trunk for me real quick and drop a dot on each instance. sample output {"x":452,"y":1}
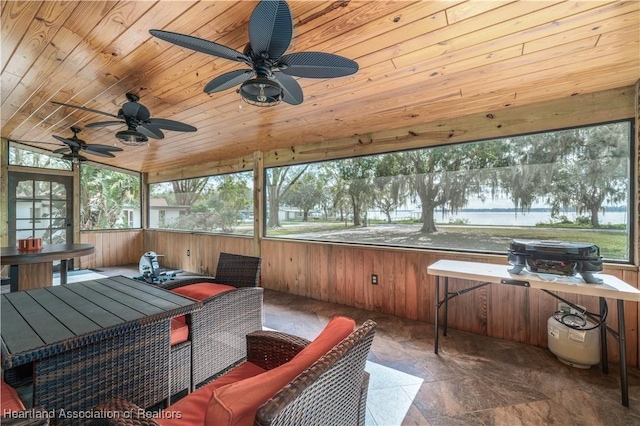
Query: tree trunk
{"x":274,"y":212}
{"x":388,"y":217}
{"x":594,"y":217}
{"x":356,"y":213}
{"x":428,"y":223}
{"x":305,"y":215}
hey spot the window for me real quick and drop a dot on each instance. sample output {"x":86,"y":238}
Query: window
{"x":23,"y":155}
{"x":570,"y":185}
{"x":128,"y":218}
{"x":36,"y":214}
{"x":109,"y":199}
{"x":206,"y":204}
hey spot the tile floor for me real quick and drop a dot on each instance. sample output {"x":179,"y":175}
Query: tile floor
{"x":475,"y":380}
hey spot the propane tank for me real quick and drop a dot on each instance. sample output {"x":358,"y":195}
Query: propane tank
{"x":574,"y":339}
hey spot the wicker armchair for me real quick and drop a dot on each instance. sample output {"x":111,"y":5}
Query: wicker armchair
{"x":217,"y":331}
{"x":332,"y":391}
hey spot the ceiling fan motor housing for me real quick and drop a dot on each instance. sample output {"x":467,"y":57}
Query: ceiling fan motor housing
{"x":131,"y":137}
{"x":261,"y":91}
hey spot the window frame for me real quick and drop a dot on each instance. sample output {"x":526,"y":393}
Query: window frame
{"x":632,"y":226}
{"x":182,"y":211}
{"x":138,"y":175}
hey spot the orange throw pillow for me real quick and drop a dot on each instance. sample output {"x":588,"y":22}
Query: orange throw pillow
{"x":237,"y":403}
{"x":201,"y":291}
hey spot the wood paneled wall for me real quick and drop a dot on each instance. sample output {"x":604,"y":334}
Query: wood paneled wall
{"x":112,"y":248}
{"x":194,"y":252}
{"x":341,"y":273}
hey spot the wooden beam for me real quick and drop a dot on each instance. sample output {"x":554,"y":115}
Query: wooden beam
{"x":258,"y":201}
{"x":567,"y":112}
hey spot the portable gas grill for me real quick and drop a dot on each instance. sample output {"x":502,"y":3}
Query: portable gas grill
{"x":556,"y":258}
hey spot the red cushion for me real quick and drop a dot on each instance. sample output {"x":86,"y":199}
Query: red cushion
{"x":9,"y":399}
{"x":237,"y":403}
{"x":193,"y":407}
{"x":179,"y":330}
{"x":201,"y":291}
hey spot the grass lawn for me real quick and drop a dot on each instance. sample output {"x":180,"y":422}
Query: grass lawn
{"x":613,"y":244}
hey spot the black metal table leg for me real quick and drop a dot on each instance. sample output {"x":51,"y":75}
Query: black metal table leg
{"x":14,"y":274}
{"x":603,"y":338}
{"x":435,"y":321}
{"x":63,"y":271}
{"x":624,"y":385}
{"x":446,"y":306}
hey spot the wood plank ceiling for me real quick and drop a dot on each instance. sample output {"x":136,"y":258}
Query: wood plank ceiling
{"x":419,"y":62}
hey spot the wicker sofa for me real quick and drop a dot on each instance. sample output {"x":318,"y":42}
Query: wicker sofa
{"x":215,"y":340}
{"x":286,"y":380}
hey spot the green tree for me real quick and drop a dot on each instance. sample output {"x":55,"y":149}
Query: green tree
{"x":103,"y":193}
{"x":358,"y":174}
{"x":21,"y":155}
{"x":279,"y":180}
{"x":187,"y":191}
{"x":390,"y":184}
{"x":232,"y":195}
{"x":446,"y":176}
{"x":578,"y":168}
{"x":334,"y":200}
{"x":529,"y":164}
{"x":305,"y":194}
{"x":594,"y":170}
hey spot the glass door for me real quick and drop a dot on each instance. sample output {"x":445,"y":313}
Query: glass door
{"x":40,"y":206}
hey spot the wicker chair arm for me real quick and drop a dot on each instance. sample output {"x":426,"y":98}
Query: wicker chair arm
{"x":270,"y":349}
{"x":335,"y":380}
{"x":37,"y":416}
{"x":119,"y":412}
{"x":180,"y":282}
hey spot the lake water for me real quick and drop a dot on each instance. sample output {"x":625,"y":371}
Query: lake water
{"x":505,"y":218}
{"x":526,"y":219}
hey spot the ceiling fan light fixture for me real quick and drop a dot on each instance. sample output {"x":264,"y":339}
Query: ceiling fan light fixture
{"x":132,"y":138}
{"x":262,"y":92}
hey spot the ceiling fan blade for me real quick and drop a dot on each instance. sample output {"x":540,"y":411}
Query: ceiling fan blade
{"x":150,"y":131}
{"x":86,"y":109}
{"x":134,"y":109}
{"x":177,"y":126}
{"x":100,"y":147}
{"x":61,"y":150}
{"x":72,"y":157}
{"x":201,"y":45}
{"x":317,"y":65}
{"x":271,"y":28}
{"x":66,"y":141}
{"x":228,"y":80}
{"x":88,"y":150}
{"x":44,"y":143}
{"x":292,"y":90}
{"x":104,"y":123}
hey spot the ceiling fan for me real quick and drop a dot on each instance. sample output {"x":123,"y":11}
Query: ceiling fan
{"x":137,"y":118}
{"x":75,"y":146}
{"x":270,"y":77}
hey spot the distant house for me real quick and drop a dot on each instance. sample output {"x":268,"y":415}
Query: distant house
{"x":295,"y":213}
{"x":161,"y":213}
